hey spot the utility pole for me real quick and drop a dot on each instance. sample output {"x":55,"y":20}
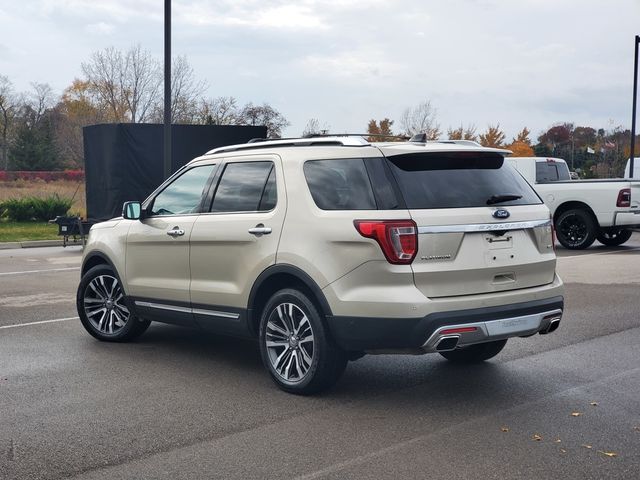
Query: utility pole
{"x":635,"y":101}
{"x":167,"y":89}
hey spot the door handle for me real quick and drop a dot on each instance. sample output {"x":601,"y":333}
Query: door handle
{"x":259,"y":230}
{"x":175,"y":232}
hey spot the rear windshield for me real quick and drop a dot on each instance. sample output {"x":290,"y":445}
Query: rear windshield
{"x":457,"y":180}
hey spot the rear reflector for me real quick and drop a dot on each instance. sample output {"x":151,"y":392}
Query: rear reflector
{"x":624,"y":198}
{"x":451,"y":331}
{"x":398,"y":239}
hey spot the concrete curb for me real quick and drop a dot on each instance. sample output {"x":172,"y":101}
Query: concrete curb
{"x":35,"y":244}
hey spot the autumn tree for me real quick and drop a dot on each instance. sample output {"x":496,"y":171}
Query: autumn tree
{"x":380,"y":131}
{"x":463,"y":133}
{"x":313,"y":127}
{"x":420,"y":119}
{"x":492,"y":137}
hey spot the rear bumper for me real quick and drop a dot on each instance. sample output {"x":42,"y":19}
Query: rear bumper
{"x":426,"y":333}
{"x":626,"y":219}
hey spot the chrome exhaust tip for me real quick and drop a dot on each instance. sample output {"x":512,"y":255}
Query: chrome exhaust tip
{"x":551,"y":326}
{"x":446,"y":344}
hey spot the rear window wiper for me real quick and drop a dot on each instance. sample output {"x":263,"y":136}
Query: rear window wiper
{"x":502,"y":198}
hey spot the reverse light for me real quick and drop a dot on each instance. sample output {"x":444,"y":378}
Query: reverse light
{"x":624,"y":198}
{"x":398,"y":239}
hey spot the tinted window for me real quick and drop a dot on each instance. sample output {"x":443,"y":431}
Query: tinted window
{"x":242,"y":186}
{"x":438,"y":180}
{"x":339,"y":184}
{"x":551,"y":172}
{"x":184,"y":194}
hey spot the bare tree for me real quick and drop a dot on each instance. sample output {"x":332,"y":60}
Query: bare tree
{"x":421,"y":119}
{"x":313,"y":128}
{"x":40,"y":100}
{"x":185,"y":91}
{"x":128,"y":84}
{"x":8,"y":107}
{"x":218,"y":111}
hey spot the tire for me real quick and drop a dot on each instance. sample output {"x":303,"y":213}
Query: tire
{"x":102,"y":309}
{"x":475,"y":353}
{"x":613,"y":237}
{"x":296,"y":347}
{"x":576,"y":229}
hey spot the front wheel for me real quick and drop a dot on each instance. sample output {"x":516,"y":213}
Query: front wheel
{"x":576,"y":229}
{"x":475,"y":353}
{"x":614,"y":237}
{"x":102,"y":308}
{"x":296,"y":346}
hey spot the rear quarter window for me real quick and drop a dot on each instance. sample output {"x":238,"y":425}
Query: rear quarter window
{"x":458,"y":180}
{"x":341,"y":184}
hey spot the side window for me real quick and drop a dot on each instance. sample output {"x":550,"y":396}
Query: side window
{"x":546,"y":172}
{"x":184,"y":194}
{"x":246,"y":187}
{"x":339,"y":184}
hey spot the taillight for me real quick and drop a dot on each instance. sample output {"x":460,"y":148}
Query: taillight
{"x":624,"y":198}
{"x":398,"y":239}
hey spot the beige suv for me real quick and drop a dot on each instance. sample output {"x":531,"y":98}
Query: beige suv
{"x":328,"y":248}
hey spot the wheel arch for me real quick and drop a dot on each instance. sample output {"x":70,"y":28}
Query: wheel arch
{"x":574,"y":205}
{"x":276,"y":278}
{"x":97,"y":258}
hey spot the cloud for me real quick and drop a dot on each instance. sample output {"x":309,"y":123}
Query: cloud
{"x":100,"y":28}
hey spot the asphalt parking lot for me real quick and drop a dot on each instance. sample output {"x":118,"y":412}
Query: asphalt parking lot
{"x":180,"y":404}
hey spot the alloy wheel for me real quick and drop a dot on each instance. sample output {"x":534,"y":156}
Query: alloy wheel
{"x":104,"y":304}
{"x":290,"y":342}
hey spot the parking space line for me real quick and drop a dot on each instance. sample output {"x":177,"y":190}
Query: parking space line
{"x":602,"y":253}
{"x":40,"y":271}
{"x":38,"y":323}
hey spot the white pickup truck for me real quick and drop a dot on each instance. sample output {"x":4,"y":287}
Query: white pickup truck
{"x":583,"y":210}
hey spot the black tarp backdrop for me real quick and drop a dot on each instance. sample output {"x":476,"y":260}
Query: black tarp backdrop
{"x":124,"y":161}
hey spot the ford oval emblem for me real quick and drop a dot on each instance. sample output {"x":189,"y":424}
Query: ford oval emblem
{"x":501,"y":213}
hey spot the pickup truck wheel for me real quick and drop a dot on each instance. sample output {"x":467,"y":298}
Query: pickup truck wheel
{"x":576,"y":229}
{"x":296,"y":346}
{"x":475,"y":353}
{"x":614,"y":236}
{"x":102,"y":308}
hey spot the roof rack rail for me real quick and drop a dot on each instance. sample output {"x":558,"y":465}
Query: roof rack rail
{"x":363,"y":135}
{"x":258,"y":143}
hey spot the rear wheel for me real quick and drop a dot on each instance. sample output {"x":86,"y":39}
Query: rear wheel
{"x":102,"y":308}
{"x":475,"y":353}
{"x":296,"y":347}
{"x":614,"y":236}
{"x":576,"y":229}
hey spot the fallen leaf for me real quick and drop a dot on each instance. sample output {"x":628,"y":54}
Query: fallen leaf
{"x":505,"y":429}
{"x":587,"y":446}
{"x":576,"y":414}
{"x":536,"y":437}
{"x":608,"y":454}
{"x":593,"y":404}
{"x":637,"y":429}
{"x":562,"y":450}
{"x":557,"y":440}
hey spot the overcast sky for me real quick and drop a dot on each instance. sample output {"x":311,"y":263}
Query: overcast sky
{"x":517,"y":62}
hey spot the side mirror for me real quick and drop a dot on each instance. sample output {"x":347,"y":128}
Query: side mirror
{"x":132,"y":210}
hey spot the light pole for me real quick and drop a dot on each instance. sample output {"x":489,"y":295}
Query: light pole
{"x":635,"y":101}
{"x":167,"y":89}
